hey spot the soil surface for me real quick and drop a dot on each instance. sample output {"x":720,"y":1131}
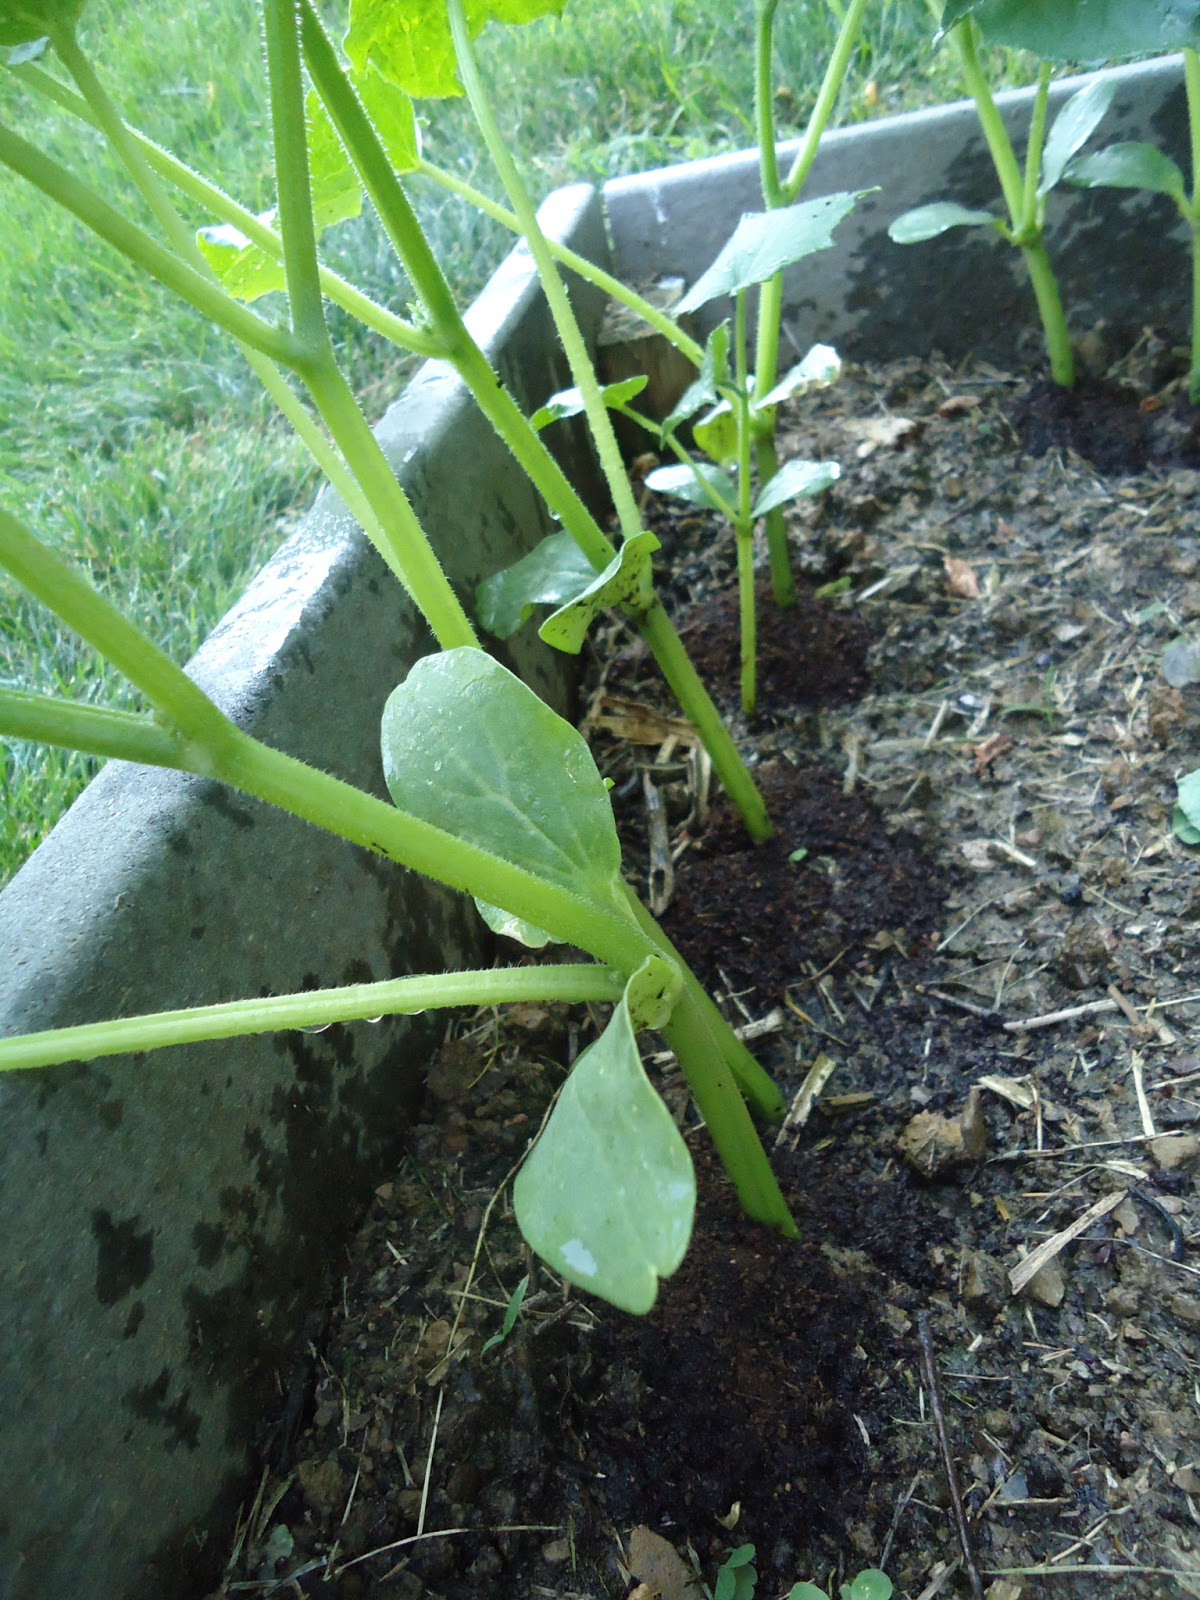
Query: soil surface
{"x":970,"y":754}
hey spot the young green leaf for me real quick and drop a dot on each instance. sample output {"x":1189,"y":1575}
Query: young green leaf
{"x":1083,"y":30}
{"x":1129,"y":166}
{"x":1186,"y":832}
{"x":1187,"y":811}
{"x":736,"y":1578}
{"x":821,"y":367}
{"x":509,"y":926}
{"x":393,"y":116}
{"x":794,"y":479}
{"x":470,"y":748}
{"x":569,"y":402}
{"x":714,"y":374}
{"x":513,"y":1311}
{"x":244,"y":269}
{"x":556,"y":570}
{"x":409,"y":40}
{"x":871,"y":1584}
{"x":717,"y":435}
{"x":1073,"y":127}
{"x":336,"y":192}
{"x":608,"y":1193}
{"x":765,"y":242}
{"x":927,"y":222}
{"x":627,"y":580}
{"x":806,"y":1591}
{"x":682,"y":483}
{"x":23,"y":21}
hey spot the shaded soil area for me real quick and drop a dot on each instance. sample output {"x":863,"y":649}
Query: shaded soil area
{"x":973,"y":944}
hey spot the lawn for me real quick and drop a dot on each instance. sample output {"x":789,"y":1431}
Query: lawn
{"x":131,"y":434}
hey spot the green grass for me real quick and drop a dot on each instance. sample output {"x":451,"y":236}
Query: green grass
{"x":133,"y":437}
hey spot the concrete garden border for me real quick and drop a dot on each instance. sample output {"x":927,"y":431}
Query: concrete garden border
{"x":166,"y":1223}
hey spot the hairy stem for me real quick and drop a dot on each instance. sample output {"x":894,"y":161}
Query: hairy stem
{"x":95,"y":730}
{"x":356,"y":1002}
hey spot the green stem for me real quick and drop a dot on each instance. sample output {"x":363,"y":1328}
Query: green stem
{"x":1191,"y":78}
{"x":758,"y":1088}
{"x":724,"y":1111}
{"x":609,"y":935}
{"x":279,"y":1013}
{"x":720,"y":1071}
{"x":583,"y":373}
{"x":764,"y":103}
{"x":504,"y":414}
{"x":743,"y":525}
{"x":100,"y":111}
{"x":63,"y":589}
{"x":213,"y":200}
{"x":406,"y":549}
{"x":659,"y":321}
{"x":294,"y":190}
{"x":1026,"y":230}
{"x":96,"y":730}
{"x":999,"y":144}
{"x":748,"y":620}
{"x":770,"y":299}
{"x":827,"y":98}
{"x":676,"y":667}
{"x":1030,"y":208}
{"x":783,"y":584}
{"x":146,"y":253}
{"x":421,"y":265}
{"x":1050,"y":309}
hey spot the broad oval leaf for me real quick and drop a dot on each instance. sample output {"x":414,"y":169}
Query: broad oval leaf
{"x":871,"y":1584}
{"x":820,"y":368}
{"x":1129,"y":166}
{"x":714,"y":372}
{"x":701,"y":484}
{"x":556,"y":570}
{"x":471,"y":749}
{"x":1073,"y":127}
{"x":626,"y":580}
{"x":793,"y":480}
{"x":569,"y":402}
{"x":409,"y":40}
{"x":24,"y":21}
{"x":927,"y":222}
{"x":1083,"y":30}
{"x":717,"y":435}
{"x":607,"y":1195}
{"x":765,"y":242}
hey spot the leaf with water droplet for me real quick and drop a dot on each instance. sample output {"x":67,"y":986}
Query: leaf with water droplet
{"x":607,"y":1195}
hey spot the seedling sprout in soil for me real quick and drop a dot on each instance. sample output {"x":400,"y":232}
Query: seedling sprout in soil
{"x":1137,"y":165}
{"x":1060,"y":30}
{"x":520,"y":820}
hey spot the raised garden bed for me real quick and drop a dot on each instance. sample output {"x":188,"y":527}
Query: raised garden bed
{"x":173,"y":1229}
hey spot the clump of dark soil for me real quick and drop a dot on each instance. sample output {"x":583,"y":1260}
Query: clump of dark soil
{"x":1109,"y":424}
{"x":974,"y":912}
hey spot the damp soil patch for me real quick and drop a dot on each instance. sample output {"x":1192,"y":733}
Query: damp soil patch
{"x":976,"y":931}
